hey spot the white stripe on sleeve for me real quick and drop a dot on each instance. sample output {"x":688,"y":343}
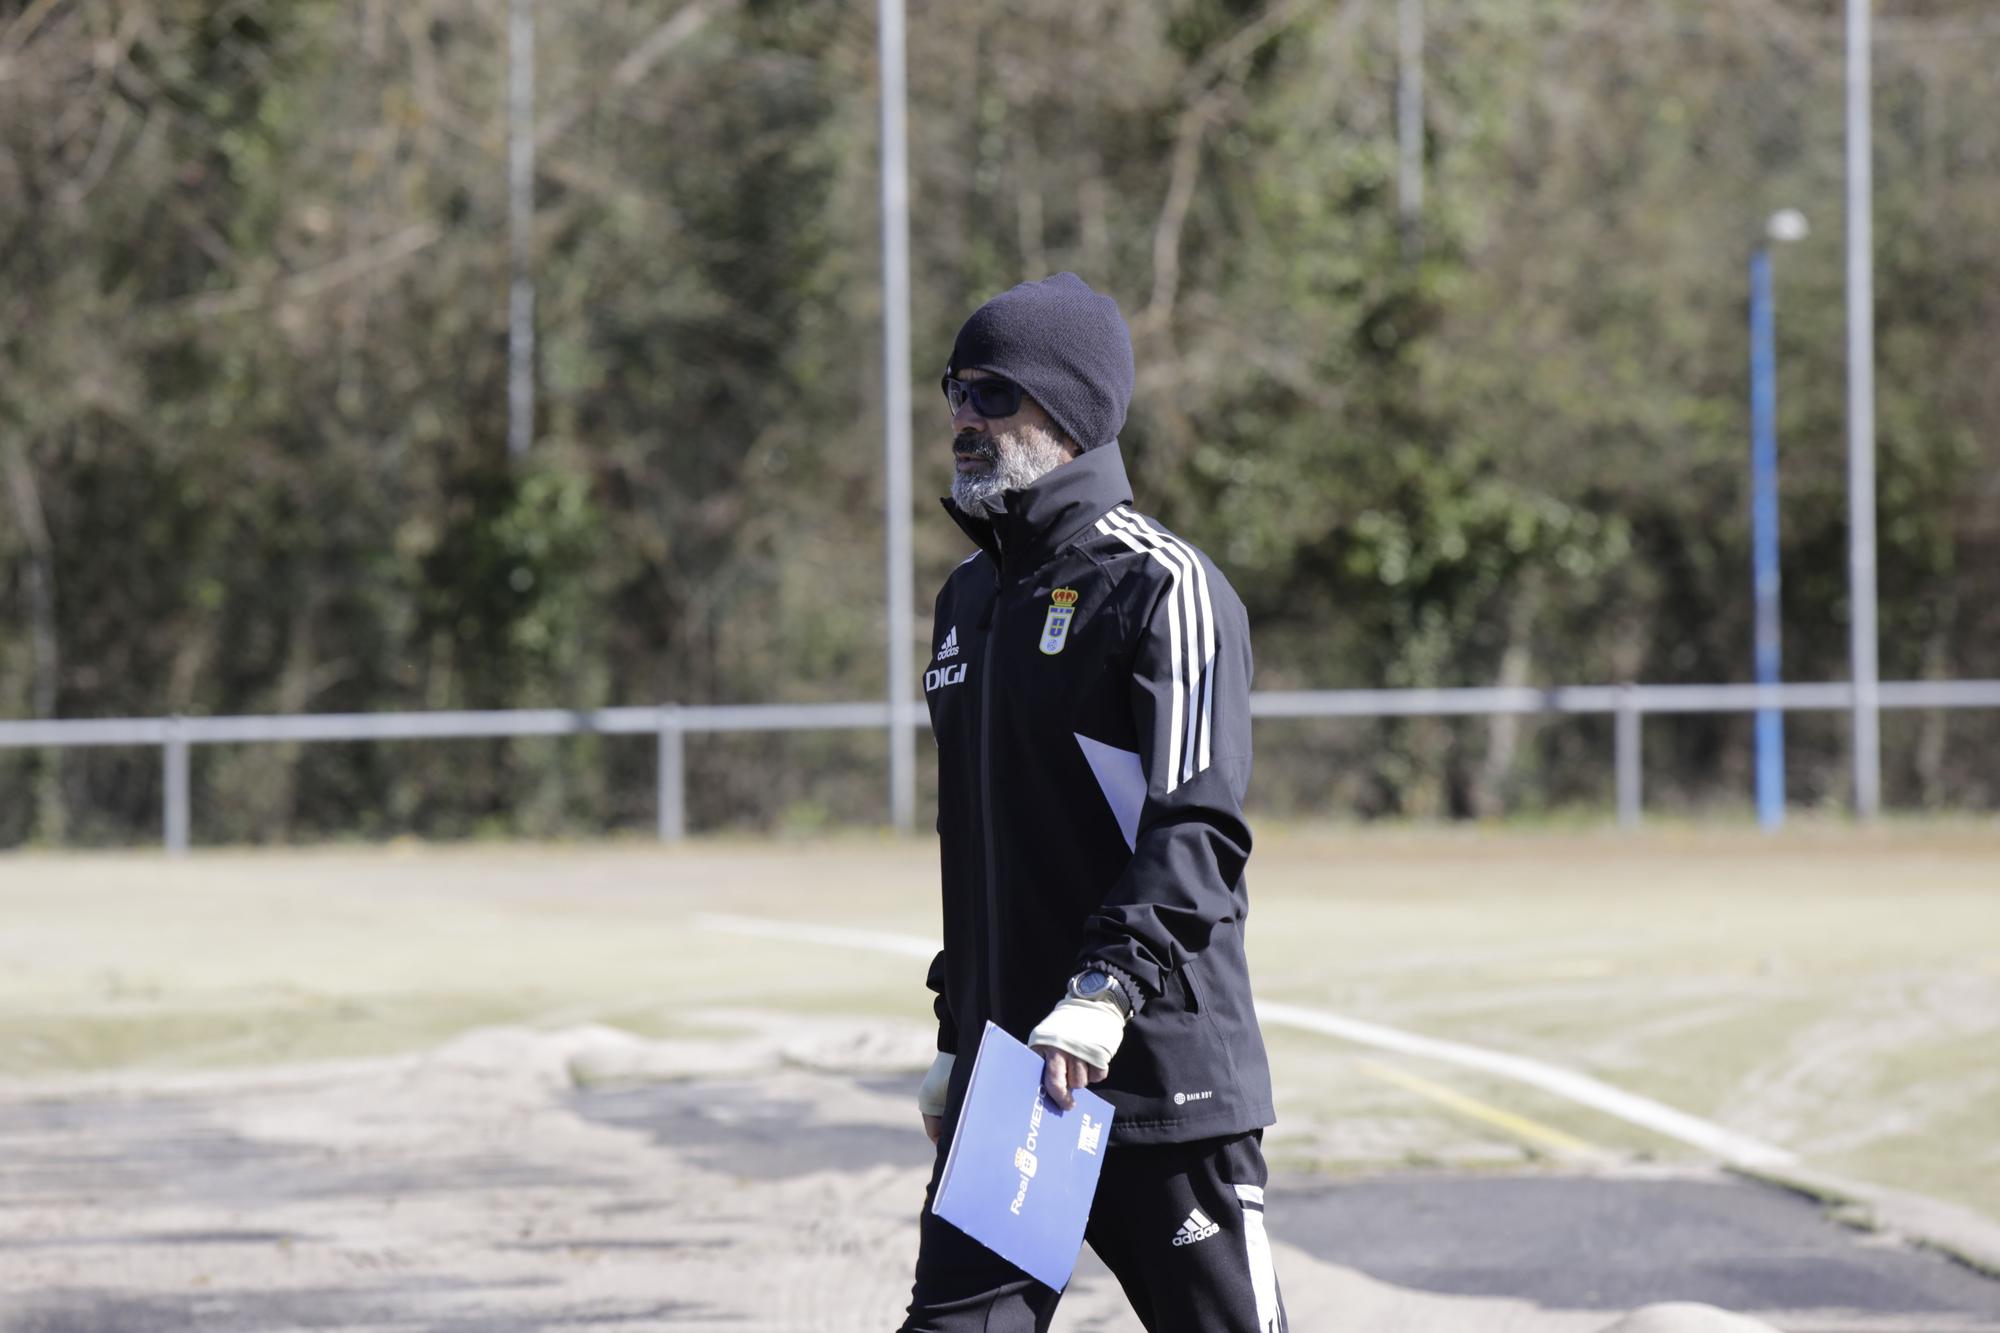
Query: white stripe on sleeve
{"x":1178,"y":696}
{"x":1189,"y":602}
{"x":1201,"y":700}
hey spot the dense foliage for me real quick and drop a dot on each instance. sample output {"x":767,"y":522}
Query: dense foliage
{"x":253,"y":408}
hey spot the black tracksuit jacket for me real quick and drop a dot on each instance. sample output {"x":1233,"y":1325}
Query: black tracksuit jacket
{"x":1089,"y":688}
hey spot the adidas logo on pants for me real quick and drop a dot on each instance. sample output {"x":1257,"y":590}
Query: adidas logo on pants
{"x":1197,"y":1227}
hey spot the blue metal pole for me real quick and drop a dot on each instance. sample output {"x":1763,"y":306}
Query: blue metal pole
{"x":1764,"y":536}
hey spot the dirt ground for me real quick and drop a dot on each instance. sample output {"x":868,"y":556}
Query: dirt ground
{"x":503,"y":1088}
{"x":512,"y":1181}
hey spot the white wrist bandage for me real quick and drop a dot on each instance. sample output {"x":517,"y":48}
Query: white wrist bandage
{"x":931,"y":1095}
{"x":1090,"y":1030}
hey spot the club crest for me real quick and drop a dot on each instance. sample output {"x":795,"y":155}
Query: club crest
{"x":1055,"y":629}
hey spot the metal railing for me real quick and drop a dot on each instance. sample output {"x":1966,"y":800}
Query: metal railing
{"x":671,"y":724}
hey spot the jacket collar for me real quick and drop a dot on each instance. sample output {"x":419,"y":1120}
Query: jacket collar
{"x":1044,"y":516}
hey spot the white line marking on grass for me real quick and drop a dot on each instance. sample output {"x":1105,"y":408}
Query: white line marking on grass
{"x":881,"y":941}
{"x":1731,"y":1147}
{"x":1582,"y":1089}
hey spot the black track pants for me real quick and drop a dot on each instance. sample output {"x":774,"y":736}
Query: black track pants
{"x":1181,"y":1225}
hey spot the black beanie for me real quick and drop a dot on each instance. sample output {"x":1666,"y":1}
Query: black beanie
{"x":1063,"y":343}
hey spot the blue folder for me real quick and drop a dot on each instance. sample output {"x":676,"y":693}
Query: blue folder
{"x":1021,"y":1172}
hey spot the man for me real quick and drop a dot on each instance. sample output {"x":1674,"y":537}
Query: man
{"x":1089,"y":690}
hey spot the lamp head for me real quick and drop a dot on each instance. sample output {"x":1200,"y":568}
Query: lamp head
{"x":1787,"y":224}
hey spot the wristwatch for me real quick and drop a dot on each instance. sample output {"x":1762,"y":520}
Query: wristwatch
{"x":1095,"y":985}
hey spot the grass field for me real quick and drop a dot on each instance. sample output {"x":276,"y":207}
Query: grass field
{"x":1830,"y":991}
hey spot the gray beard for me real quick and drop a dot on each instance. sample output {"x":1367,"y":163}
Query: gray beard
{"x":1014,"y":466}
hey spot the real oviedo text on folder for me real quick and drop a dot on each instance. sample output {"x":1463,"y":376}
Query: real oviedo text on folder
{"x":1021,"y":1171}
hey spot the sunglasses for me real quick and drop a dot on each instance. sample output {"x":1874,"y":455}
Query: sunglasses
{"x":992,"y":398}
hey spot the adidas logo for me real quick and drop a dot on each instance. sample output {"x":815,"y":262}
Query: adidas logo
{"x":1196,"y":1228}
{"x":949,"y":648}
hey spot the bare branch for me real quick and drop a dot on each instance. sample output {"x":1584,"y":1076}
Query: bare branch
{"x":1220,"y":72}
{"x":311,"y":283}
{"x":110,"y":132}
{"x":1173,"y":212}
{"x":23,"y":28}
{"x":39,"y":569}
{"x":661,"y":43}
{"x":1226,"y":56}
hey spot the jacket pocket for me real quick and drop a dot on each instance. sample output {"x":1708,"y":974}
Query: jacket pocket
{"x":1173,"y":1055}
{"x":1193,"y":1001}
{"x":1220,"y":1061}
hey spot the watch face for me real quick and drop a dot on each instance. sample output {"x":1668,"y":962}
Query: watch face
{"x":1092,"y":983}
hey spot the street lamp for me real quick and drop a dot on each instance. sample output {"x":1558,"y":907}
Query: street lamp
{"x":1784,"y":226}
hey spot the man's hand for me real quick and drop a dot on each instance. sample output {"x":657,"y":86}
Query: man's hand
{"x":1076,"y":1042}
{"x":931,"y":1095}
{"x":1062,"y":1071}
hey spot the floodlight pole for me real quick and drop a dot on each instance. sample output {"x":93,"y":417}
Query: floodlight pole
{"x":896,"y":410}
{"x":521,"y":226}
{"x":1861,"y":418}
{"x":1764,"y":536}
{"x":1410,"y":122}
